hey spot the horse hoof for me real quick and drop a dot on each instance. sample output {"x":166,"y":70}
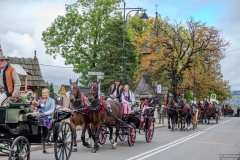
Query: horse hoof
{"x":74,"y":150}
{"x":85,"y":144}
{"x":97,"y":147}
{"x":111,"y":141}
{"x":89,"y":146}
{"x":114,"y":147}
{"x":169,"y":127}
{"x":93,"y":150}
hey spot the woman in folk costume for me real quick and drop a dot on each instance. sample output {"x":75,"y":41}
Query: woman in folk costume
{"x":128,"y":100}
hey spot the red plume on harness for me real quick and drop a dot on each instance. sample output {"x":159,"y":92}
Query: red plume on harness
{"x":103,"y":102}
{"x":86,"y":110}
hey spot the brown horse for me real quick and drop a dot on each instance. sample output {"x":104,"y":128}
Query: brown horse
{"x":79,"y":103}
{"x":100,"y":115}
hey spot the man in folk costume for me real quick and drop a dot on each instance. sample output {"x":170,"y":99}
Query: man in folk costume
{"x":9,"y":80}
{"x":116,"y":90}
{"x":128,"y":100}
{"x":207,"y":100}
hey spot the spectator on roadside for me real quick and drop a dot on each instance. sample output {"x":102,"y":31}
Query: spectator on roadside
{"x":161,"y":113}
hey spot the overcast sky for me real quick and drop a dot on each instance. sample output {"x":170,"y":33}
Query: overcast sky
{"x":23,"y":21}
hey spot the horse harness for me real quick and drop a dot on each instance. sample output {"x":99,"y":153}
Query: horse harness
{"x":83,"y":108}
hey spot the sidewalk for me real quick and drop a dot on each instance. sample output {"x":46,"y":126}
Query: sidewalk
{"x":79,"y":132}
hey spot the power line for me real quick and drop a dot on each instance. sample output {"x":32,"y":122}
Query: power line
{"x":54,"y":66}
{"x":233,"y":50}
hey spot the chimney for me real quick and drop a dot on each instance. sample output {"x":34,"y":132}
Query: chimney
{"x":35,"y":54}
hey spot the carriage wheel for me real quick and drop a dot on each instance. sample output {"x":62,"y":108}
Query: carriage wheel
{"x":20,"y":149}
{"x":131,"y":135}
{"x":150,"y":130}
{"x":122,"y":135}
{"x":64,"y":143}
{"x":103,"y":135}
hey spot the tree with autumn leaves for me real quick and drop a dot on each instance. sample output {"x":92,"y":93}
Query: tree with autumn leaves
{"x":183,"y":56}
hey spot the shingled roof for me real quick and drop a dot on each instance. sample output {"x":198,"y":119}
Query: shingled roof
{"x":31,"y":66}
{"x":144,"y":88}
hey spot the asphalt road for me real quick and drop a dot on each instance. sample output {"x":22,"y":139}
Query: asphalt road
{"x":207,"y":142}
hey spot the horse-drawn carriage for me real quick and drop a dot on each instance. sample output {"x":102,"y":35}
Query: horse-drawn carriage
{"x":102,"y":118}
{"x":131,"y":126}
{"x":208,"y":110}
{"x":18,"y":133}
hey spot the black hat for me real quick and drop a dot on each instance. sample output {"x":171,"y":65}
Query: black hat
{"x":117,"y":80}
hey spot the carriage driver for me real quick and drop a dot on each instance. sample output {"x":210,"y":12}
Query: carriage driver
{"x":9,"y":80}
{"x":116,"y":90}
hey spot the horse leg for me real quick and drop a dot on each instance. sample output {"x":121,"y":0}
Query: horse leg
{"x":114,"y":145}
{"x":90,"y":136}
{"x":169,"y":127}
{"x":83,"y":135}
{"x":185,"y":120}
{"x":111,"y":134}
{"x":74,"y":149}
{"x":188,"y":119}
{"x":94,"y":130}
{"x":173,"y":121}
{"x":181,"y":122}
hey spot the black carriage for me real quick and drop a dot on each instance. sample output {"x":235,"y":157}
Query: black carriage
{"x":130,"y":126}
{"x":18,"y":134}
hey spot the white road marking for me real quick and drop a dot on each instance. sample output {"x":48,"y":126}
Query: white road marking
{"x":172,"y":144}
{"x":164,"y":147}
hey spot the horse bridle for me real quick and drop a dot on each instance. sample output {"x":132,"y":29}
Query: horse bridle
{"x":95,"y":95}
{"x":75,"y":94}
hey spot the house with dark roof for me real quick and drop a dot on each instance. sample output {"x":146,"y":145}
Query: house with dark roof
{"x":146,"y":88}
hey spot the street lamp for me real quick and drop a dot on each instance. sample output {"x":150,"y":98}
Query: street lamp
{"x":144,"y":18}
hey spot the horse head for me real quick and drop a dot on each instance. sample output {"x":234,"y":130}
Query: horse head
{"x":93,"y":91}
{"x":75,"y":93}
{"x":171,"y":103}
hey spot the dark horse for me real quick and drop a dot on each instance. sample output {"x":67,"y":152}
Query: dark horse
{"x":78,"y":103}
{"x":185,"y":113}
{"x":172,"y":113}
{"x":100,"y":115}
